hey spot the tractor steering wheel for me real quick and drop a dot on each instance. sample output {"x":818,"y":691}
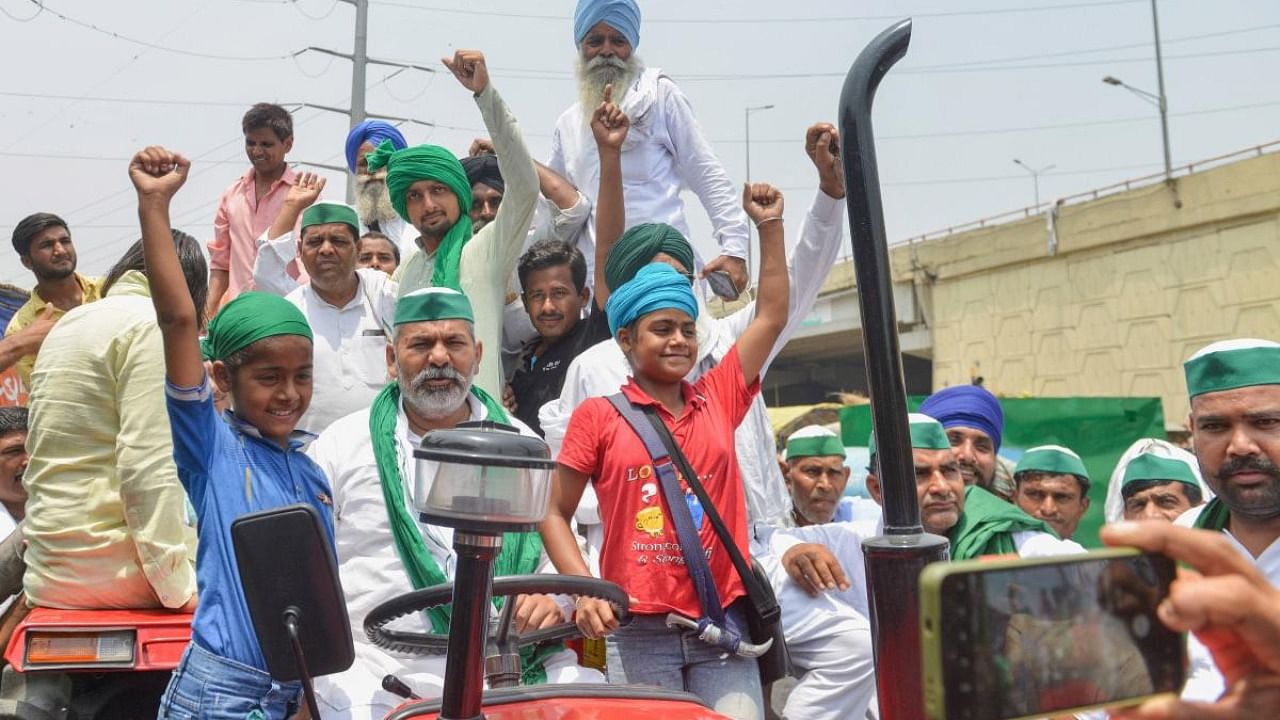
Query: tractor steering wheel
{"x":430,"y":643}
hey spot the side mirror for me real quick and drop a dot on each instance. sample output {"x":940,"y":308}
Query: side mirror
{"x":290,"y":580}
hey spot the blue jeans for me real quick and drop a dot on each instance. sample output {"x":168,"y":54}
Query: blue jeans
{"x":210,"y":687}
{"x":647,"y":652}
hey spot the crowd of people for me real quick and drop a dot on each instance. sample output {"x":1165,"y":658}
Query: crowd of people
{"x":321,"y":342}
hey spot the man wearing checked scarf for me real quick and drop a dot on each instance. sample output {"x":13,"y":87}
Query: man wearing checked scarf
{"x":1234,"y":386}
{"x":430,"y":190}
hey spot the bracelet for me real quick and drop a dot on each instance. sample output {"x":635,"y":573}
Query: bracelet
{"x":778,"y":218}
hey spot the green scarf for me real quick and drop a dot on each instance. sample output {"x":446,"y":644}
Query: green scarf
{"x":987,"y":525}
{"x":429,"y":162}
{"x":1214,"y":516}
{"x":521,"y":552}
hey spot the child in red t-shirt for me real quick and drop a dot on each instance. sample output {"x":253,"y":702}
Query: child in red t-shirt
{"x":652,"y":317}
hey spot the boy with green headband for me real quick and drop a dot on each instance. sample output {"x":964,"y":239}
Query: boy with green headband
{"x":1234,"y":387}
{"x":1051,"y":484}
{"x":245,"y":462}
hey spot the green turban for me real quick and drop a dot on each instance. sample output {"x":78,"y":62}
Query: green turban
{"x":251,"y":317}
{"x":429,"y":162}
{"x":637,"y":247}
{"x":926,"y":434}
{"x":433,"y":303}
{"x":324,"y":212}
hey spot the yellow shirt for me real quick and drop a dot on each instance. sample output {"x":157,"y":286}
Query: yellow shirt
{"x":106,"y":520}
{"x":90,"y":288}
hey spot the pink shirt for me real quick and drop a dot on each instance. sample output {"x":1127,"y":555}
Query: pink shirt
{"x":241,"y":219}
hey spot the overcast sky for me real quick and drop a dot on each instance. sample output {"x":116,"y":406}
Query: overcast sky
{"x":984,"y":81}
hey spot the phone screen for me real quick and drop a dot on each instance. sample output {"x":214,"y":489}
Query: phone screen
{"x":1047,"y":638}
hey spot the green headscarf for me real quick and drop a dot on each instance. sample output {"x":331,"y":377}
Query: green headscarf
{"x":637,"y":247}
{"x":429,"y":162}
{"x":251,"y":317}
{"x":987,"y":524}
{"x":1232,"y":364}
{"x":520,"y":554}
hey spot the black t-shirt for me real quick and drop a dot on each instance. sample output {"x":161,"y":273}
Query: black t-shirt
{"x":538,"y":379}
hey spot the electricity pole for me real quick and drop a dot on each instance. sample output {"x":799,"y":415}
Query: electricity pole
{"x":359,"y":57}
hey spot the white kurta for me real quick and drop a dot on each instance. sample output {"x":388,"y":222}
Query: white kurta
{"x":349,"y":347}
{"x":371,"y":571}
{"x":664,"y":153}
{"x":828,"y":639}
{"x":490,"y":256}
{"x":1204,"y":682}
{"x":603,"y":369}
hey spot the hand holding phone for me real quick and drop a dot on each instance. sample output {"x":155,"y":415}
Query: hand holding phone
{"x":722,"y":285}
{"x":1019,"y":639}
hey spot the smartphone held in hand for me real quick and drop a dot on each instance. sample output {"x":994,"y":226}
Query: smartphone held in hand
{"x":1013,"y":639}
{"x":722,"y":285}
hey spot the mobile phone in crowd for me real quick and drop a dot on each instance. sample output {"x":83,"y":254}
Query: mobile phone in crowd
{"x":1013,"y":639}
{"x":722,"y":285}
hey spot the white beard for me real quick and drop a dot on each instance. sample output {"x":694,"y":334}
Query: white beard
{"x":373,"y":202}
{"x":436,"y":404}
{"x":593,"y":75}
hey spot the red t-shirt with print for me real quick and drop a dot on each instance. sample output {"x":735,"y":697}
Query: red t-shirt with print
{"x":640,"y":551}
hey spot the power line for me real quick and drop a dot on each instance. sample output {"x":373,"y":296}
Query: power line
{"x":771,"y":21}
{"x":178,"y":51}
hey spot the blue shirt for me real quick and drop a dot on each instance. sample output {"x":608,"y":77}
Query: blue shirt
{"x":229,"y":470}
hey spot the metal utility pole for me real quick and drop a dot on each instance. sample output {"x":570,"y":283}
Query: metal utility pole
{"x":359,"y":58}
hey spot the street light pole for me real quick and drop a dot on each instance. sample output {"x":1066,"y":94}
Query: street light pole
{"x":746,"y":114}
{"x":1161,"y":101}
{"x":1035,"y":176}
{"x":1164,"y":99}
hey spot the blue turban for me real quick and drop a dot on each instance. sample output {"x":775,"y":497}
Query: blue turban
{"x":621,"y":15}
{"x":374,"y":131}
{"x":656,"y":287}
{"x":970,"y":406}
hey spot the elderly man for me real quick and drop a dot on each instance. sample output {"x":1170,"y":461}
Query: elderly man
{"x":373,"y":202}
{"x":106,"y":521}
{"x":602,"y":369}
{"x":1234,"y":387}
{"x":975,"y":425}
{"x":667,"y":153}
{"x":383,"y":551}
{"x":829,"y":639}
{"x":813,"y":464}
{"x":1051,"y":483}
{"x":430,"y":189}
{"x":44,"y":246}
{"x":349,"y":309}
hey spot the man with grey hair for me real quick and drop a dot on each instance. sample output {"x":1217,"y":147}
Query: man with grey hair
{"x":383,"y":548}
{"x":666,"y":152}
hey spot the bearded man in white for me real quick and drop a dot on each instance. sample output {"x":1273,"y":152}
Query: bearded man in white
{"x":383,"y":551}
{"x":665,"y":151}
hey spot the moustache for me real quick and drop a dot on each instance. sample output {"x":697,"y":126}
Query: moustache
{"x":1250,"y":462}
{"x":601,"y":61}
{"x":437,"y":373}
